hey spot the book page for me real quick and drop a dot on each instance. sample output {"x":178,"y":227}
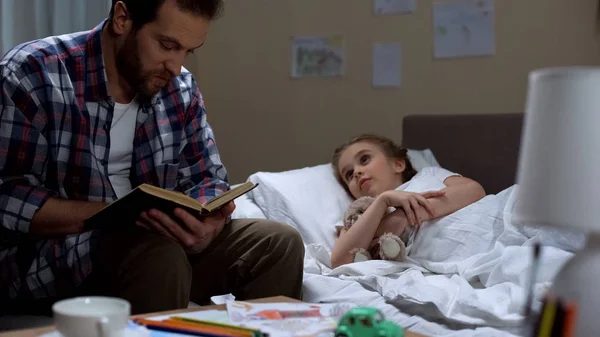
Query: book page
{"x":178,"y":197}
{"x":228,"y":196}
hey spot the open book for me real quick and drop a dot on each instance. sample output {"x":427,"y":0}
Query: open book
{"x":127,"y":209}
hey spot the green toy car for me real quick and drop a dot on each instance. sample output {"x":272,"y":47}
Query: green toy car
{"x":366,"y":322}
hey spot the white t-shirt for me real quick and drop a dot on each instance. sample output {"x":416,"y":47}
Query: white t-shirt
{"x":429,"y":178}
{"x":122,"y":131}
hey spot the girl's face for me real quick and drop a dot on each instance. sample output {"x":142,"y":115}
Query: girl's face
{"x":367,"y":171}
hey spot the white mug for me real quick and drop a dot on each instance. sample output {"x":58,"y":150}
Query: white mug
{"x":91,"y":316}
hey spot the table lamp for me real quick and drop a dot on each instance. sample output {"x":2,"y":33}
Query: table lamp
{"x":559,"y":177}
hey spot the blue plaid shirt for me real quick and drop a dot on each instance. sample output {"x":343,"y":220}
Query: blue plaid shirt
{"x":54,"y":143}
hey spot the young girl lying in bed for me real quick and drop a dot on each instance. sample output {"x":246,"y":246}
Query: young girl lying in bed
{"x":374,"y":166}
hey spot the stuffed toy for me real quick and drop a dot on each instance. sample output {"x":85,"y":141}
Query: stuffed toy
{"x":390,"y":246}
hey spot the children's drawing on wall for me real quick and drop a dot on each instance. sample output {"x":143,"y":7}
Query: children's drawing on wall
{"x":318,"y":56}
{"x":463,"y":28}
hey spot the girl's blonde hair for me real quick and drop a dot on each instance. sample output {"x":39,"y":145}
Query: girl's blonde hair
{"x":389,"y":148}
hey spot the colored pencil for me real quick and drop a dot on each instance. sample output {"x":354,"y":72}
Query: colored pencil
{"x":559,"y":320}
{"x":532,"y":277}
{"x":189,"y":328}
{"x":225,"y":329}
{"x":570,"y":319}
{"x":548,"y":318}
{"x":536,"y":320}
{"x":253,"y":332}
{"x":531,"y":323}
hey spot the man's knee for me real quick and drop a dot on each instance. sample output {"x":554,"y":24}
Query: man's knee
{"x":285,"y":240}
{"x":162,"y":265}
{"x":134,"y":263}
{"x":290,"y":238}
{"x":141,"y":255}
{"x":280,"y":266}
{"x":166,"y":258}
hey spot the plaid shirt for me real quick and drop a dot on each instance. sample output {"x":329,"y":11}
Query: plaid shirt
{"x":54,"y":143}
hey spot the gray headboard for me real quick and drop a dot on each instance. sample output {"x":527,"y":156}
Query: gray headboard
{"x":481,"y":147}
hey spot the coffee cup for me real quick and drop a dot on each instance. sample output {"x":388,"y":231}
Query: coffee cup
{"x":91,"y":316}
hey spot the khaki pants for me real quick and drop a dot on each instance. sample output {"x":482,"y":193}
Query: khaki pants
{"x":250,"y":259}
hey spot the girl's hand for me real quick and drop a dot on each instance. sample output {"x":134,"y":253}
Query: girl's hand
{"x":394,"y":223}
{"x":411,"y":203}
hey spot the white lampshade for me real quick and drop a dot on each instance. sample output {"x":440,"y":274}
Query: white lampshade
{"x":559,"y":164}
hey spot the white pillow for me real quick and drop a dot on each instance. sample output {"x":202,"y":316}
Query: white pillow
{"x":245,"y":208}
{"x":422,"y":158}
{"x":309,"y":199}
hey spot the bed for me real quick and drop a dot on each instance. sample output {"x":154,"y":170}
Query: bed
{"x":466,"y":274}
{"x":478,"y":288}
{"x":482,"y":147}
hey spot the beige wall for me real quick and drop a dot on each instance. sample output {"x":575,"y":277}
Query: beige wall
{"x":266,"y":121}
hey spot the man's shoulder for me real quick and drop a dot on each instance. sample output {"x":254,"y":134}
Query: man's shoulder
{"x":40,"y":52}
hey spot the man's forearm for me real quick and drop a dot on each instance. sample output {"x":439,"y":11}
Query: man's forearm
{"x":59,"y":217}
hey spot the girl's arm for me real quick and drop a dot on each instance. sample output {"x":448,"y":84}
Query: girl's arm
{"x":459,"y":192}
{"x":363,"y":230}
{"x":360,"y":234}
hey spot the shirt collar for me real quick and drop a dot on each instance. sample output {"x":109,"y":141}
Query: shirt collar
{"x":96,"y":89}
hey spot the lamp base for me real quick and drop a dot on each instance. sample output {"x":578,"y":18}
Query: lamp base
{"x":577,"y":282}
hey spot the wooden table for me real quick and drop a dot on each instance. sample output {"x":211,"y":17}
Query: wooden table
{"x":39,"y":331}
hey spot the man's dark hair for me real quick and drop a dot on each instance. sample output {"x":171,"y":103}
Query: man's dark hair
{"x":145,"y":11}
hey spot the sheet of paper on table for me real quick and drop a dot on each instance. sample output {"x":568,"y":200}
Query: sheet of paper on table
{"x":276,"y":319}
{"x":203,"y":315}
{"x":288,"y":319}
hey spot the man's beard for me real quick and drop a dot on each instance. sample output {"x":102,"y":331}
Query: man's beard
{"x":130,"y":68}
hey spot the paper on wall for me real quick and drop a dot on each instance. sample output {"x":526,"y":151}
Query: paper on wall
{"x":387,"y":65}
{"x":383,"y":7}
{"x":463,"y":28}
{"x":318,"y":56}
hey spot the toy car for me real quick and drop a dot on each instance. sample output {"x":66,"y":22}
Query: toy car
{"x":366,"y":322}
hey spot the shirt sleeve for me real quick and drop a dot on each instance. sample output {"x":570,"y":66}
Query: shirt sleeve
{"x":202,"y":174}
{"x":23,"y":152}
{"x":441,"y":173}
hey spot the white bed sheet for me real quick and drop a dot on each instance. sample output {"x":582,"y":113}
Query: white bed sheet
{"x":326,"y":289}
{"x":466,"y":275}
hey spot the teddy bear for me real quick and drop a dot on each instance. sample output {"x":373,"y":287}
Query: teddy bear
{"x":390,"y":246}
